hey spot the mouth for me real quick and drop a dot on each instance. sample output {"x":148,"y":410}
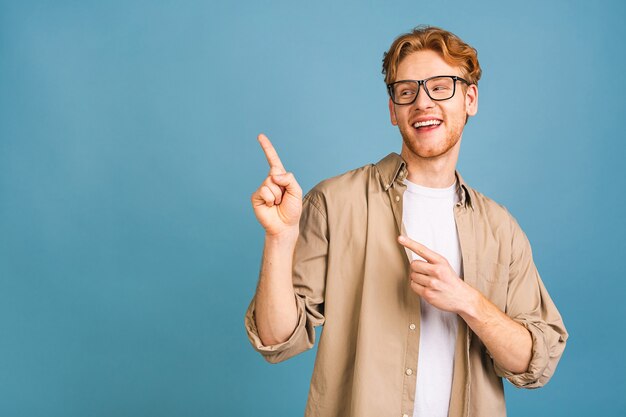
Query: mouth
{"x":427,"y":125}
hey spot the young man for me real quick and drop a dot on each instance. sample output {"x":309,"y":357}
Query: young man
{"x":426,"y":288}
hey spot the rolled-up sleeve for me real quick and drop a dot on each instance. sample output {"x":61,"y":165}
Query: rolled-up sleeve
{"x":529,"y":304}
{"x":309,"y":275}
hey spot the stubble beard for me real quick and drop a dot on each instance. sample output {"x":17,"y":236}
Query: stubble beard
{"x":452,"y":138}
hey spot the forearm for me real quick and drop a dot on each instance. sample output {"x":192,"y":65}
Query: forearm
{"x":276,"y":313}
{"x":508,"y":342}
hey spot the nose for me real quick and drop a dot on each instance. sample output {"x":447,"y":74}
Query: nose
{"x":423,"y":101}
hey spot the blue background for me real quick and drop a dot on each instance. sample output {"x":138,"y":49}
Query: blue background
{"x":128,"y":247}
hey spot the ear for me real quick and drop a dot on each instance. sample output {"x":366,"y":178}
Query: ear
{"x":392,"y":113}
{"x":471,"y":100}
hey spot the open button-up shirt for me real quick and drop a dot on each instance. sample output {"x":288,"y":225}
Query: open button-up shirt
{"x":351,"y":276}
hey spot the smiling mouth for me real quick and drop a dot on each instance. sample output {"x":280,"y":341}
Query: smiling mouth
{"x":427,"y":124}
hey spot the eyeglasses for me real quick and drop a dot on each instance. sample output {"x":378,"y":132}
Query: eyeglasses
{"x":438,"y":88}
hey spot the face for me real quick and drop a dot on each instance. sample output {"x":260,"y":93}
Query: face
{"x":441,"y":137}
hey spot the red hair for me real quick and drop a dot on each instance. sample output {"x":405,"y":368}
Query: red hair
{"x":451,"y":48}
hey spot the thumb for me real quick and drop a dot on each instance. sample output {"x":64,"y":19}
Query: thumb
{"x":289,"y":182}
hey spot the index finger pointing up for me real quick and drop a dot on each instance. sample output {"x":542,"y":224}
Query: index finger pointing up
{"x":276,"y":166}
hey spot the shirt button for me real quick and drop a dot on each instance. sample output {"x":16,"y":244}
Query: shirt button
{"x":397,"y":198}
{"x":412,"y":326}
{"x":409,"y":371}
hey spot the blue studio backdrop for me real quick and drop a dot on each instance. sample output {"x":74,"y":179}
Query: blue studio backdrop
{"x":128,"y":247}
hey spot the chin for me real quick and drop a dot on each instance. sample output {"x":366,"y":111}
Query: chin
{"x":428,"y":152}
{"x":430,"y":146}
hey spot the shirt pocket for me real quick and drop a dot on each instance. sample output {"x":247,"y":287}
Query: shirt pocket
{"x":493,"y":279}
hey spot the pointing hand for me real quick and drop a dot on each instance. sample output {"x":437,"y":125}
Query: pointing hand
{"x":277,"y":203}
{"x":435,"y":280}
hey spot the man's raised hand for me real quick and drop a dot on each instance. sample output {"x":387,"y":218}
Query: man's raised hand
{"x":277,"y":203}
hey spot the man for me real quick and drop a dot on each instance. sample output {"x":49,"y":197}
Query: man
{"x":426,"y":288}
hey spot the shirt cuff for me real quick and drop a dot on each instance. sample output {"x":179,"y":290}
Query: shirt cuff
{"x":299,"y":341}
{"x":535,"y":376}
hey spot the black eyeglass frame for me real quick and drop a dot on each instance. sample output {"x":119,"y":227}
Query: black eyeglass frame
{"x":423,"y":83}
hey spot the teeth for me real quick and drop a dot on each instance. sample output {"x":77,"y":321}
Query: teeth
{"x":427,"y":123}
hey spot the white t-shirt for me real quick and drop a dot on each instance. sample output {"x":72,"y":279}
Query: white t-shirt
{"x":428,"y":217}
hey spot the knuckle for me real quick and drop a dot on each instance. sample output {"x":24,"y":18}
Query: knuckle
{"x":266,"y":192}
{"x":275,"y":189}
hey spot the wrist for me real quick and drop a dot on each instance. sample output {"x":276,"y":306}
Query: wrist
{"x":286,"y":237}
{"x":471,"y":307}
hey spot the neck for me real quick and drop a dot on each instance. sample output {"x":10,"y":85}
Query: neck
{"x":436,"y":172}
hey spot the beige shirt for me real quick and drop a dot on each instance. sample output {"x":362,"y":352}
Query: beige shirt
{"x":351,"y":276}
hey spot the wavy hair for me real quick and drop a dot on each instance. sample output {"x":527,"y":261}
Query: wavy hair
{"x":451,"y":48}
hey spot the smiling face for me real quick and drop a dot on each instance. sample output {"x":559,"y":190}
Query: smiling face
{"x":432,"y":129}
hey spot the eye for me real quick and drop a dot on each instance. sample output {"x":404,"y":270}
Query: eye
{"x":440,"y":87}
{"x":405,"y":89}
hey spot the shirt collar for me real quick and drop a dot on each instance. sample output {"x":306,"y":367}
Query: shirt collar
{"x":392,"y":168}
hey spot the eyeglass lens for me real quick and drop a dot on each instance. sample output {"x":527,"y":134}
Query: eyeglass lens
{"x":438,"y":88}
